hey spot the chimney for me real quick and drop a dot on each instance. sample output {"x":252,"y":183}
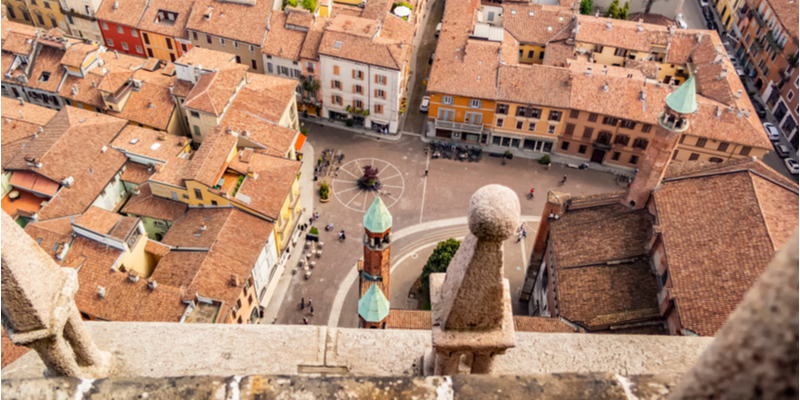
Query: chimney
{"x":640,"y":27}
{"x":116,"y":55}
{"x":68,"y":181}
{"x":234,"y":280}
{"x":671,"y":30}
{"x":747,"y":114}
{"x":150,"y":167}
{"x":738,"y":94}
{"x":151,"y":283}
{"x":101,"y":291}
{"x":64,"y":249}
{"x":588,"y":71}
{"x":597,"y":14}
{"x":103,"y":149}
{"x":642,"y":95}
{"x":94,"y":84}
{"x":21,"y":102}
{"x":21,"y":114}
{"x":717,"y":59}
{"x":739,"y":112}
{"x":136,"y":191}
{"x":605,"y":87}
{"x":605,"y":69}
{"x":133,"y":276}
{"x":608,"y":24}
{"x":202,"y":226}
{"x":699,"y":37}
{"x":722,"y":74}
{"x":37,"y":133}
{"x":162,"y":136}
{"x":116,"y":5}
{"x":74,"y":89}
{"x":719,"y":112}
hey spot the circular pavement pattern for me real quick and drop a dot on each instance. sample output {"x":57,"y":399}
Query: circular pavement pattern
{"x":345,"y":184}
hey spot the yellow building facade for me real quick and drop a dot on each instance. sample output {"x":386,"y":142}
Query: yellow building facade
{"x":693,"y":148}
{"x":18,"y":11}
{"x":531,"y":54}
{"x":726,"y":10}
{"x":466,"y":119}
{"x":47,"y":14}
{"x":527,"y":127}
{"x":162,"y":47}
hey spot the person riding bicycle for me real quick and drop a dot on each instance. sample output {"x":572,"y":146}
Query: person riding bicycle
{"x":532,"y":193}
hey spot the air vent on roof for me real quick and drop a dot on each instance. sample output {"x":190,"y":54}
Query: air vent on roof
{"x":337,"y":45}
{"x":549,"y":28}
{"x":68,"y":181}
{"x":82,"y":120}
{"x":608,"y":23}
{"x":103,"y":149}
{"x":101,"y":291}
{"x":530,"y":13}
{"x":133,"y":276}
{"x":605,"y":87}
{"x":151,"y":283}
{"x":116,"y":5}
{"x":134,"y":141}
{"x":513,"y":12}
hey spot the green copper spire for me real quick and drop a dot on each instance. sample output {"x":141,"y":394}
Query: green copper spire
{"x":684,"y":99}
{"x":374,"y":306}
{"x":377,"y":219}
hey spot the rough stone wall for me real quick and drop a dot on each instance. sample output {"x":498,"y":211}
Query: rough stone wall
{"x":545,"y":387}
{"x":156,"y":350}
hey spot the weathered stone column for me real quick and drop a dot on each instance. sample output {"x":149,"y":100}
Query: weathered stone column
{"x":471,"y":304}
{"x":755,"y":352}
{"x":39,"y":310}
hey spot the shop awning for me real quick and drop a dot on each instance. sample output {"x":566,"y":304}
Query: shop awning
{"x":301,"y":140}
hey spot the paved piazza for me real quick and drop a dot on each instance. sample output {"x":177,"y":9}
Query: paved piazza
{"x":425,"y":211}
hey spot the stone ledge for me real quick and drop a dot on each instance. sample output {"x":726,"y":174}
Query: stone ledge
{"x":545,"y":387}
{"x":157,"y":350}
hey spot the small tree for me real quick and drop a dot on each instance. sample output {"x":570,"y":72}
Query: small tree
{"x":623,"y":14}
{"x":370,"y":178}
{"x":438,"y":262}
{"x":310,"y":5}
{"x":586,"y":7}
{"x":613,"y":9}
{"x":292,"y":3}
{"x":324,"y":190}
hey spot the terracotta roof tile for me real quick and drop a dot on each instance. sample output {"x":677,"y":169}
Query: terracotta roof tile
{"x":535,"y":84}
{"x":173,"y":28}
{"x":282,"y":41}
{"x":152,"y":105}
{"x":11,"y":352}
{"x":124,"y":299}
{"x":540,"y":28}
{"x":653,"y":19}
{"x":69,"y":143}
{"x":18,"y":38}
{"x":50,"y":235}
{"x":242,"y":22}
{"x":47,"y":66}
{"x":600,"y":234}
{"x":409,"y":319}
{"x":388,"y":49}
{"x":207,"y":58}
{"x":210,"y":159}
{"x":547,"y":325}
{"x":277,"y":139}
{"x":179,"y":268}
{"x":31,"y":113}
{"x":720,"y":229}
{"x":557,"y":53}
{"x":98,"y":220}
{"x":310,"y":48}
{"x":146,"y":205}
{"x":298,"y":17}
{"x":214,"y":90}
{"x":601,"y":295}
{"x":156,"y":248}
{"x":173,"y":172}
{"x":272,"y":184}
{"x":266,"y":96}
{"x":87,"y":91}
{"x":136,"y":173}
{"x":623,"y":34}
{"x":127,"y":12}
{"x":149,"y":143}
{"x":76,"y":54}
{"x":76,"y":199}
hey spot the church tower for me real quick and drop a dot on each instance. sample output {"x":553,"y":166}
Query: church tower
{"x":672,"y":122}
{"x":374,"y":270}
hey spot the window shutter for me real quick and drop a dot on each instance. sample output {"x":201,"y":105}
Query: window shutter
{"x":376,"y":78}
{"x":336,"y":70}
{"x":333,"y":99}
{"x":354,"y":88}
{"x":354,"y":74}
{"x":333,"y":85}
{"x":384,"y":95}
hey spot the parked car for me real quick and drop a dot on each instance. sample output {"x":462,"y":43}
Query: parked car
{"x":681,"y":23}
{"x":426,"y":102}
{"x":760,"y":110}
{"x":741,"y":73}
{"x":711,"y":25}
{"x":708,"y":14}
{"x":782,"y":150}
{"x":430,"y":60}
{"x":703,"y":3}
{"x":438,"y":29}
{"x":791,"y":165}
{"x":772,"y":131}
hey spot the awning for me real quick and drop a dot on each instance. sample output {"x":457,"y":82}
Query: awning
{"x":33,"y":182}
{"x":301,"y":140}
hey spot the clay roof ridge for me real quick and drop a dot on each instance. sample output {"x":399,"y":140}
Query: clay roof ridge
{"x":607,"y":263}
{"x":713,"y":172}
{"x":761,"y":215}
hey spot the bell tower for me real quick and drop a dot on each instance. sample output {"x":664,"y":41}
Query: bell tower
{"x":374,"y":270}
{"x":672,"y":122}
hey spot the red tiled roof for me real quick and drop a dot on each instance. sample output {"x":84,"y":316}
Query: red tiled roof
{"x":540,"y":324}
{"x":146,"y":205}
{"x":210,"y":159}
{"x":233,"y":20}
{"x":50,"y":235}
{"x":271,"y":185}
{"x":10,"y":351}
{"x":409,"y":319}
{"x":127,"y":12}
{"x":215,"y":89}
{"x":136,"y":173}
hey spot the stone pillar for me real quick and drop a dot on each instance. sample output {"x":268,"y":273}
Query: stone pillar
{"x":471,"y":304}
{"x":755,"y":354}
{"x":446,"y":363}
{"x":39,"y":310}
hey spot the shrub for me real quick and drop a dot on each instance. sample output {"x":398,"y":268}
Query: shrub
{"x":313,"y":231}
{"x":304,"y":131}
{"x":545,"y":160}
{"x":509,"y":155}
{"x":324,"y":190}
{"x":349,"y":122}
{"x":438,"y":261}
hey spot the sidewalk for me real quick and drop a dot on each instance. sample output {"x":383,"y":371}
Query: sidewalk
{"x":311,"y":120}
{"x":307,"y":198}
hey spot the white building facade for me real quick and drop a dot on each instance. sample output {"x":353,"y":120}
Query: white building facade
{"x":350,"y":88}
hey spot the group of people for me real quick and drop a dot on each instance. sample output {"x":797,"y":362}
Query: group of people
{"x":521,"y":232}
{"x":303,"y":307}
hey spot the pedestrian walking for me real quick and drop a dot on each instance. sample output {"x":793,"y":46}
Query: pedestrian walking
{"x":309,"y":301}
{"x":426,"y":172}
{"x":343,"y":235}
{"x":303,"y":303}
{"x":305,"y":321}
{"x":316,"y":215}
{"x":519,"y":237}
{"x":524,"y":233}
{"x":311,"y":221}
{"x":312,"y":310}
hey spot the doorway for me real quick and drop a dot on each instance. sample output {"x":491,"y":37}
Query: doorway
{"x":598,"y":156}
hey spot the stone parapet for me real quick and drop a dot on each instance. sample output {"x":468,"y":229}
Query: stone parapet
{"x":558,"y":386}
{"x":155,"y":350}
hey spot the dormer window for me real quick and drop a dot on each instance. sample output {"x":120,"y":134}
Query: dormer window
{"x":45,"y":77}
{"x":166,"y":17}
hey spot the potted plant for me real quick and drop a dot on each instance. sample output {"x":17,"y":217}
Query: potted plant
{"x":545,"y":160}
{"x":509,"y":155}
{"x":313,"y":234}
{"x":348,"y":122}
{"x":324,"y":192}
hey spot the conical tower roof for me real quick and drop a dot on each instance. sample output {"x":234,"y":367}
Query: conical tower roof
{"x":374,"y":306}
{"x":377,"y":219}
{"x":684,"y":99}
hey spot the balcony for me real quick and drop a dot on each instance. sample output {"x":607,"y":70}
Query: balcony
{"x":455,"y":126}
{"x":759,"y":20}
{"x":771,"y":40}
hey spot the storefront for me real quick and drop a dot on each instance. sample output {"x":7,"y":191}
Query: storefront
{"x":526,"y":144}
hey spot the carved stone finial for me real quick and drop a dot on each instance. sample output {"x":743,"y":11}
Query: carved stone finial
{"x":39,"y":308}
{"x":493,"y":213}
